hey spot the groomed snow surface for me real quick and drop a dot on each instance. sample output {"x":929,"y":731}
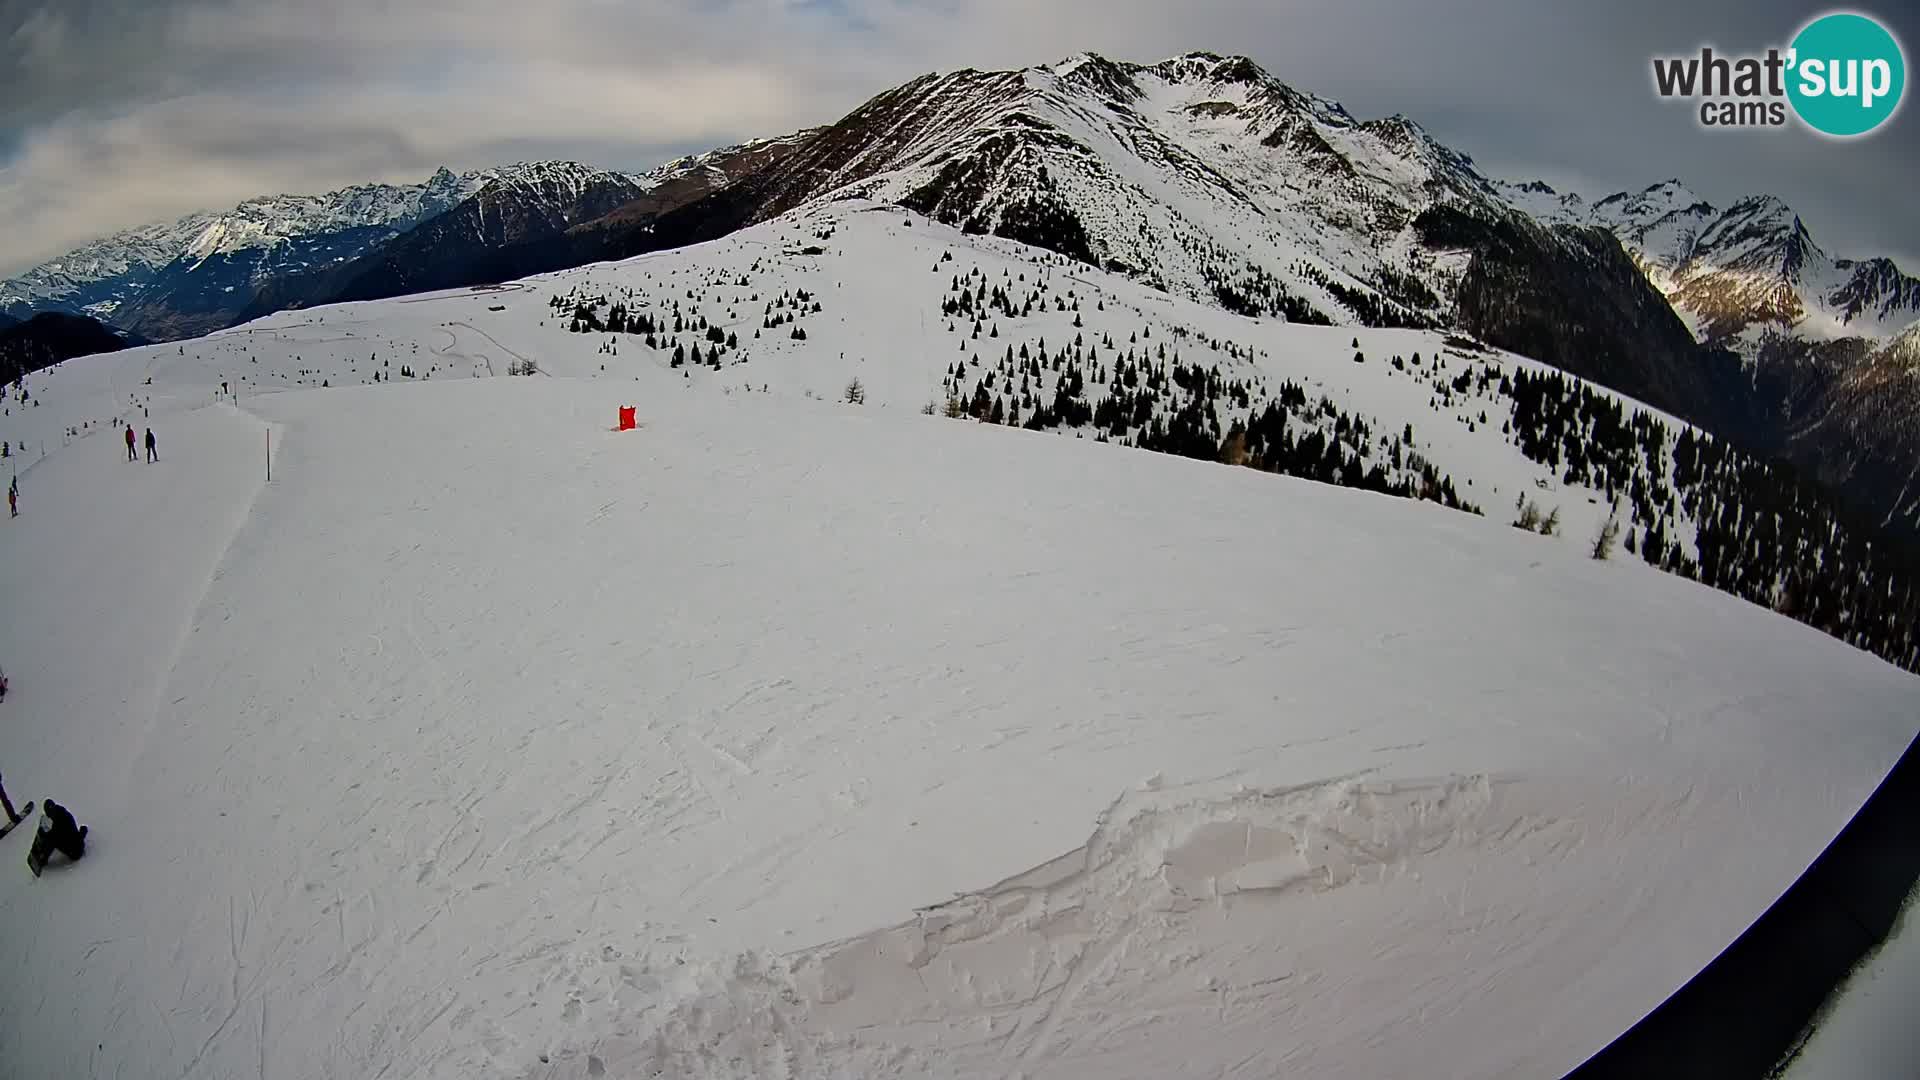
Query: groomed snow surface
{"x":783,"y":737}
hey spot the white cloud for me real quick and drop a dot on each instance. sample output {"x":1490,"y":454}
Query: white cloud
{"x":311,"y":97}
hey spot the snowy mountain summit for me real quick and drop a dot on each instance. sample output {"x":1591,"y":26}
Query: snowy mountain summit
{"x":1206,"y":175}
{"x":1743,"y":271}
{"x":1202,"y":175}
{"x":108,"y":274}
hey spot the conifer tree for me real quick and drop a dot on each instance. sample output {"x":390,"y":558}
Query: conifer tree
{"x":1603,"y":540}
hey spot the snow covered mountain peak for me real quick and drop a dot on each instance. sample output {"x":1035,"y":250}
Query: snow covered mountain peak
{"x":1740,"y":272}
{"x":198,"y":273}
{"x":537,"y":172}
{"x":1761,"y":234}
{"x":103,"y":277}
{"x":1187,"y":67}
{"x":1201,"y":174}
{"x":1646,"y":209}
{"x":555,"y":183}
{"x":1211,"y":67}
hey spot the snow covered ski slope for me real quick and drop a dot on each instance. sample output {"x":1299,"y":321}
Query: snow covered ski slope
{"x":785,"y":736}
{"x":882,"y":281}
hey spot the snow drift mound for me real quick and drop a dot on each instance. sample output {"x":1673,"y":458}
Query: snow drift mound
{"x":1192,"y":935}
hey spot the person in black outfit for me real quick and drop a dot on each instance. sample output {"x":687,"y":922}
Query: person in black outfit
{"x":150,"y":446}
{"x":57,"y":833}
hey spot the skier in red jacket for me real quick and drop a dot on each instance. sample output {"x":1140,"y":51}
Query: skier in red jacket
{"x":131,"y":456}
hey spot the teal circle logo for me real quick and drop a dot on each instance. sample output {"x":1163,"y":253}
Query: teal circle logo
{"x":1846,"y":74}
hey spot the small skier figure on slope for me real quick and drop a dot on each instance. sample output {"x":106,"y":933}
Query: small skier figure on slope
{"x":57,"y":833}
{"x":131,"y":456}
{"x":150,"y":454}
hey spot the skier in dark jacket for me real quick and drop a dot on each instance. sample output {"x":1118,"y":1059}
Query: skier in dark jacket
{"x":150,"y":454}
{"x":57,"y":833}
{"x":131,"y":456}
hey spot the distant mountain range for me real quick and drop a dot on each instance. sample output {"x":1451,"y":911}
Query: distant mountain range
{"x":1741,"y":273}
{"x":1201,"y":175}
{"x":208,"y":271}
{"x":193,"y":275}
{"x":510,"y":229}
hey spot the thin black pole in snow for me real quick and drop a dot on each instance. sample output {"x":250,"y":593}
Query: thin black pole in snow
{"x":269,"y":434}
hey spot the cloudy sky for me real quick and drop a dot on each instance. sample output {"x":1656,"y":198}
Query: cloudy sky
{"x":118,"y":112}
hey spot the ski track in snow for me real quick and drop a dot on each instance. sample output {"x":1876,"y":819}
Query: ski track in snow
{"x":484,"y":733}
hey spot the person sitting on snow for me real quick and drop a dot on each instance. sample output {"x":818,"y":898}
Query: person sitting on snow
{"x":57,"y":833}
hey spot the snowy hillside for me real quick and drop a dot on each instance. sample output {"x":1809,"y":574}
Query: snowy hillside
{"x":929,"y":318}
{"x":792,"y":736}
{"x":906,"y":339}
